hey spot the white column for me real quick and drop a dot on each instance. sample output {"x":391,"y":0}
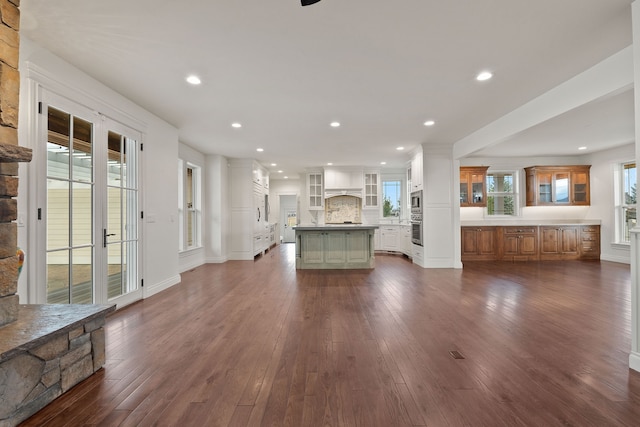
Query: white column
{"x":634,"y":357}
{"x":440,"y":215}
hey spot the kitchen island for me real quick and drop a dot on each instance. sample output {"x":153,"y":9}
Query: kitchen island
{"x":335,"y":246}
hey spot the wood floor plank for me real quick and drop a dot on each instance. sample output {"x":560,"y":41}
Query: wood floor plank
{"x":257,"y":343}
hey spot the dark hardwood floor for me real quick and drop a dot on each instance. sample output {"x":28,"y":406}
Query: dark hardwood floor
{"x":260,"y":344}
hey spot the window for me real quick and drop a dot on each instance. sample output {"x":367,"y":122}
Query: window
{"x":189,"y":205}
{"x":502,"y":196}
{"x":391,"y":198}
{"x":626,"y":215}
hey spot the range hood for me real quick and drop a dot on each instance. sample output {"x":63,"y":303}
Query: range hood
{"x":334,"y":192}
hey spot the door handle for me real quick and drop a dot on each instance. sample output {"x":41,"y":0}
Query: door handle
{"x":104,"y":237}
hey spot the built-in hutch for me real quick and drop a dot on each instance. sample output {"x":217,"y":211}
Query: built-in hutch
{"x":473,"y":187}
{"x":558,"y":185}
{"x":530,"y":242}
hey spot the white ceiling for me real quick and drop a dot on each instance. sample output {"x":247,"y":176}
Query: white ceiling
{"x":381,"y":68}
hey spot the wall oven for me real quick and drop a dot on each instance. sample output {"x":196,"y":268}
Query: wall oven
{"x":416,"y":229}
{"x":416,"y":201}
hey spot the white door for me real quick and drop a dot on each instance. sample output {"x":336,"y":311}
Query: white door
{"x":289,"y":217}
{"x":87,"y":206}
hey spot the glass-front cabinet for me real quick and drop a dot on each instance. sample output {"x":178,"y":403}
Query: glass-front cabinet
{"x":371,"y":187}
{"x":558,"y":185}
{"x":473,"y":188}
{"x":314,"y":187}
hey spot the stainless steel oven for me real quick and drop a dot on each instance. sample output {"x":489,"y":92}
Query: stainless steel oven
{"x":416,"y":229}
{"x":416,"y":202}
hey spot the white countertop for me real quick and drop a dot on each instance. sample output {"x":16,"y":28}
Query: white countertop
{"x":530,"y":222}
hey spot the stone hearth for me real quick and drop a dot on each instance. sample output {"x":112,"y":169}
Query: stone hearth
{"x":45,"y":352}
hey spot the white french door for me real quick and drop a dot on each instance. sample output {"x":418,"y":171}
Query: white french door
{"x":88,"y":206}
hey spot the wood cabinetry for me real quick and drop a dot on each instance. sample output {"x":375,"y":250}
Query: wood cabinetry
{"x":479,"y":243}
{"x":473,"y":187}
{"x":558,"y":185}
{"x":520,"y":243}
{"x":530,"y":243}
{"x":559,"y":242}
{"x":590,"y":242}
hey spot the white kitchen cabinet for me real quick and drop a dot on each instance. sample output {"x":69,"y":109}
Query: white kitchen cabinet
{"x":405,"y":239}
{"x":389,"y":238}
{"x":315,"y":191}
{"x":416,"y":172}
{"x":248,"y":208}
{"x":371,"y":189}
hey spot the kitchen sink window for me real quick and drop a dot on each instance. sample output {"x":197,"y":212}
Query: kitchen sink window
{"x":189,"y":209}
{"x":626,"y":201}
{"x":391,"y":198}
{"x":502,"y":196}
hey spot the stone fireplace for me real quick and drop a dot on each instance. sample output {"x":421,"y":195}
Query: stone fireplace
{"x":10,"y":155}
{"x":45,"y":350}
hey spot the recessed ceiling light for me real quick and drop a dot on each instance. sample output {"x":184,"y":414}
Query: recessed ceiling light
{"x":335,"y":124}
{"x":399,"y":148}
{"x":193,"y":79}
{"x":485,"y":75}
{"x":236,"y":125}
{"x":383,"y":163}
{"x":260,"y":150}
{"x":273,"y":164}
{"x":279,"y":171}
{"x":429,"y":123}
{"x":286,"y":177}
{"x":582,"y":148}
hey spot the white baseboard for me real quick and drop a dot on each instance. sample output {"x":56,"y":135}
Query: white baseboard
{"x":634,"y":361}
{"x":150,"y":290}
{"x":621,"y":260}
{"x":216,"y":260}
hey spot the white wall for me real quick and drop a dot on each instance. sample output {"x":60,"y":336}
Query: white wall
{"x":194,"y":257}
{"x":40,"y":68}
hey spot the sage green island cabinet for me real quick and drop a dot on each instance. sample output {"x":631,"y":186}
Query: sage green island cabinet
{"x":335,"y":247}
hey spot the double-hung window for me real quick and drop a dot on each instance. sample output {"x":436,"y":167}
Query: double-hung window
{"x":502,"y":195}
{"x":189,"y":205}
{"x":626,"y":212}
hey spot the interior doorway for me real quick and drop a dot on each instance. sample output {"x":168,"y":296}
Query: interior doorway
{"x":288,"y":217}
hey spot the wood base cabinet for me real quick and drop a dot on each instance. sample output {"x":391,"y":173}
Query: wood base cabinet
{"x":530,"y":243}
{"x":519,"y":243}
{"x":559,"y":242}
{"x":479,"y":243}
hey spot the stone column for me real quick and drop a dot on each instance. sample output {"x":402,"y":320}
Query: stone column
{"x":10,"y":155}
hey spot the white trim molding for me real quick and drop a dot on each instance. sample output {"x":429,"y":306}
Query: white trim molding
{"x":634,"y":357}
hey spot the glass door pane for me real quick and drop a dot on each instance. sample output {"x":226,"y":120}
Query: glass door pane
{"x":70,"y":210}
{"x":121,"y":234}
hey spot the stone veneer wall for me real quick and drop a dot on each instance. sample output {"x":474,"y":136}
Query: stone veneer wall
{"x":39,"y":361}
{"x":10,"y":154}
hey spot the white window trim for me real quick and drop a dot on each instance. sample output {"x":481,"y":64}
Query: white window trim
{"x":183,"y":210}
{"x":620,"y":204}
{"x":515,"y":193}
